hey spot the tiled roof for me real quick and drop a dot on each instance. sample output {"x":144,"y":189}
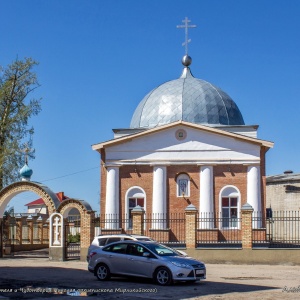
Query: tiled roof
{"x":40,"y":201}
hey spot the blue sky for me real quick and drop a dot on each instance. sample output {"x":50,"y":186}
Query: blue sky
{"x":98,"y":59}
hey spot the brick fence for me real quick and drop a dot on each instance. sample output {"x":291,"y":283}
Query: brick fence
{"x":187,"y":230}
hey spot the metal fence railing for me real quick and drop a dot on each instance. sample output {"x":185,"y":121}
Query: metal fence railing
{"x":112,"y":224}
{"x":214,"y":230}
{"x":277,"y":229}
{"x":280,"y":229}
{"x":168,"y":230}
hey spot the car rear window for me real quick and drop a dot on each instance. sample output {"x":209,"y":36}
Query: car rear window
{"x":113,"y":239}
{"x":102,"y":241}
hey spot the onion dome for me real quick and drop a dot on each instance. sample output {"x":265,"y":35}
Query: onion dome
{"x":26,"y":172}
{"x":187,"y":99}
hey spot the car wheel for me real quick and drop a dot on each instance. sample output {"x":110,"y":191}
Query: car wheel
{"x":163,"y":276}
{"x":102,"y":272}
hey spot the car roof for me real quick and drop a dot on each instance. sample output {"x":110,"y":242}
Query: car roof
{"x":121,"y":235}
{"x":135,"y":242}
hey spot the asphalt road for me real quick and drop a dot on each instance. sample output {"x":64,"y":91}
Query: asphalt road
{"x":39,"y":278}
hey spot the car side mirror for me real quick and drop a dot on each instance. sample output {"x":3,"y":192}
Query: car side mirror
{"x":146,"y":254}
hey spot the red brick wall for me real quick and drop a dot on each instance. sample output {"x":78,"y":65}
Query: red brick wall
{"x":237,"y":176}
{"x":178,"y":204}
{"x":141,"y":176}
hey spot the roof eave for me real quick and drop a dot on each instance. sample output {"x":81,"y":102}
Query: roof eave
{"x":120,"y":140}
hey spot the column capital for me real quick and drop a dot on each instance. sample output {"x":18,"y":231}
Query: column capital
{"x":160,"y":164}
{"x":112,"y":166}
{"x":252,"y":164}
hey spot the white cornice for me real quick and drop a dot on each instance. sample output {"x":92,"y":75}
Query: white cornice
{"x":128,"y":138}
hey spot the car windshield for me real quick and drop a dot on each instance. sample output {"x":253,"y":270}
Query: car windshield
{"x":162,"y":250}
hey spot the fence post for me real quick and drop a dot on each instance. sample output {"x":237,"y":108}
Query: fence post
{"x":138,"y":220}
{"x":87,"y":231}
{"x":19,"y":229}
{"x":191,"y":226}
{"x":40,"y":229}
{"x":247,"y":211}
{"x":30,"y":229}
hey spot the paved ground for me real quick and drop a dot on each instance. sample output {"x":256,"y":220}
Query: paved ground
{"x":39,"y":278}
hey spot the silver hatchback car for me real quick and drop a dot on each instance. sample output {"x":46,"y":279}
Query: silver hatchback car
{"x":103,"y":240}
{"x":145,"y":259}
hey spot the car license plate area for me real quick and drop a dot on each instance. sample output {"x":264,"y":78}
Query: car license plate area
{"x":199,"y":273}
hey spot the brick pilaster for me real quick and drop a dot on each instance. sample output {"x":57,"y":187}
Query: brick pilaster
{"x":30,"y":229}
{"x":247,"y":211}
{"x":19,"y":229}
{"x":40,"y":229}
{"x":191,"y":225}
{"x":138,"y":220}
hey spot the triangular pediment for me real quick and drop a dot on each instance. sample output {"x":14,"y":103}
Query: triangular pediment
{"x":181,"y":141}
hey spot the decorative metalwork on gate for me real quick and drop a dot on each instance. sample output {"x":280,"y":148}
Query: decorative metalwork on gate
{"x":72,"y":239}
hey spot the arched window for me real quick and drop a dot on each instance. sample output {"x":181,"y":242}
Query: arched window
{"x":230,"y":206}
{"x":134,"y":196}
{"x":183,"y":185}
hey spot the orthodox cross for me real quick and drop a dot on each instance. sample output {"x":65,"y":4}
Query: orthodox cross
{"x":26,"y":150}
{"x":56,"y":225}
{"x":186,"y":26}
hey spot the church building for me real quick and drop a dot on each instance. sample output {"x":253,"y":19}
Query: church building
{"x":187,"y":143}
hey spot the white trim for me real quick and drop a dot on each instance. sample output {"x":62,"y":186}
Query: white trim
{"x":119,"y":163}
{"x":61,"y":232}
{"x":238,"y":195}
{"x":127,"y":202}
{"x":183,"y":125}
{"x":187,"y":177}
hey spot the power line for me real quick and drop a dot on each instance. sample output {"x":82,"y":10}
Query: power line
{"x":82,"y":171}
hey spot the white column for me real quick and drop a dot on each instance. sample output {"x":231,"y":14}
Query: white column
{"x":254,"y":193}
{"x":112,"y":198}
{"x":159,"y":206}
{"x":206,"y":197}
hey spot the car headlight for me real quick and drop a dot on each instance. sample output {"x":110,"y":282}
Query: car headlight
{"x":177,"y":264}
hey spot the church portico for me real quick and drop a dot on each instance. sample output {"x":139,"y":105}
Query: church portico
{"x":199,"y":175}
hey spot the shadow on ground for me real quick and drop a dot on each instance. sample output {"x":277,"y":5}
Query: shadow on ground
{"x":44,"y":282}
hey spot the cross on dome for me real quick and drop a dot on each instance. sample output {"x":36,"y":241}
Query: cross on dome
{"x":186,"y":26}
{"x":26,"y":152}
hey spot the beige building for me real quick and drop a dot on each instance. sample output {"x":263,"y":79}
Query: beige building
{"x":283,"y":192}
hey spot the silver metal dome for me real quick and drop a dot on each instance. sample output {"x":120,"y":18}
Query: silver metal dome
{"x":188,"y":99}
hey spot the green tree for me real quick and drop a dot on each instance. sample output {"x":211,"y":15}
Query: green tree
{"x":17,"y":81}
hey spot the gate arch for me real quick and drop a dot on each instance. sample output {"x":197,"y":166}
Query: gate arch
{"x":10,"y":191}
{"x":51,"y":200}
{"x":54,"y":206}
{"x":86,"y":222}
